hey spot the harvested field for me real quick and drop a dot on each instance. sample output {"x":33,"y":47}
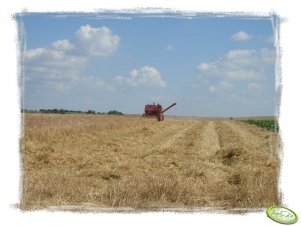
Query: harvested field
{"x":130,"y":161}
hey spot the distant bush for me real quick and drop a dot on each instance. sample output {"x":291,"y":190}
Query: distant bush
{"x":28,"y":111}
{"x":114,"y":113}
{"x":63,"y":111}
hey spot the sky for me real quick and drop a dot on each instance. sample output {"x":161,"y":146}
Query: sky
{"x":210,"y":66}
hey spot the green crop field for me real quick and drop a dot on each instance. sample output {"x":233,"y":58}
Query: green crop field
{"x":271,"y":125}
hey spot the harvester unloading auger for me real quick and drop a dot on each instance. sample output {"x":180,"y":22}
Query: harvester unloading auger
{"x":156,"y":110}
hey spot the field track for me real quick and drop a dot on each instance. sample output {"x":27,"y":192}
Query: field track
{"x":117,"y":161}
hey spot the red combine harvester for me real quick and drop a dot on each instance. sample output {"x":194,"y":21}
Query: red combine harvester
{"x":156,"y":110}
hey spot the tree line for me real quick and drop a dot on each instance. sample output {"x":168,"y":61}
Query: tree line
{"x":64,"y":111}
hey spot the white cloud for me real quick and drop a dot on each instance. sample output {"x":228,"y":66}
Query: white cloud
{"x":64,"y":61}
{"x":56,"y":69}
{"x":252,"y":86}
{"x":267,"y":56}
{"x":222,"y":86}
{"x":240,"y":54}
{"x":64,"y":45}
{"x":145,"y":76}
{"x":169,"y":47}
{"x":203,"y":67}
{"x":51,"y":65}
{"x":43,"y":58}
{"x":270,"y":39}
{"x":238,"y":65}
{"x":163,"y":99}
{"x":96,"y":41}
{"x":95,"y":82}
{"x":60,"y":86}
{"x":241,"y":36}
{"x":33,"y":53}
{"x":245,"y":74}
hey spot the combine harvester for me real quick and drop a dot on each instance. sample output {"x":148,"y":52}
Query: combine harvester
{"x":155,"y":110}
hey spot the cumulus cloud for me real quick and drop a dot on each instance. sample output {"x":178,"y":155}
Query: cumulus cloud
{"x":238,"y":65}
{"x":222,"y":86}
{"x":169,"y":47}
{"x":241,"y":36}
{"x":240,"y":54}
{"x":267,"y":56}
{"x":52,"y":65}
{"x":270,"y":39}
{"x":64,"y":45}
{"x":145,"y":76}
{"x":64,"y":61}
{"x":96,"y":41}
{"x":252,"y":86}
{"x":47,"y":58}
{"x":95,"y":82}
{"x":59,"y":86}
{"x":245,"y":74}
{"x":203,"y":67}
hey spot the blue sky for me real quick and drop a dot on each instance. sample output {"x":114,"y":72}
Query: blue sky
{"x":209,"y":66}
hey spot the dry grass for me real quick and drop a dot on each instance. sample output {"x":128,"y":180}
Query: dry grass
{"x":117,"y":161}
